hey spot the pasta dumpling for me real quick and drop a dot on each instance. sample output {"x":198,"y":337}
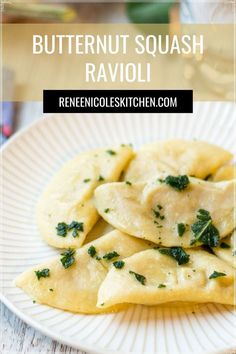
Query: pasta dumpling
{"x":75,"y":287}
{"x":147,"y":166}
{"x":225,"y":173}
{"x":227,"y":249}
{"x":151,"y":277}
{"x":195,"y":158}
{"x":163,"y":214}
{"x":65,"y":212}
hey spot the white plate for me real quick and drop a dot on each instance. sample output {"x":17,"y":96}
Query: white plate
{"x":30,"y":159}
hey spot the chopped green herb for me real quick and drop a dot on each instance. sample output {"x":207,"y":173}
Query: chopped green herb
{"x":119,"y":264}
{"x":43,"y":273}
{"x":203,"y":215}
{"x":204,"y":231}
{"x":159,"y":206}
{"x":111,"y":152}
{"x":106,"y":210}
{"x":68,"y":258}
{"x":75,"y":232}
{"x":139,"y":277}
{"x":100,"y":179}
{"x":224,"y":245}
{"x":177,"y":182}
{"x":216,"y":274}
{"x":158,"y":225}
{"x":128,"y":183}
{"x":177,"y":253}
{"x":157,"y":213}
{"x":34,"y":301}
{"x":61,"y":229}
{"x":102,"y":304}
{"x":76,"y":227}
{"x":98,"y":258}
{"x":92,"y":251}
{"x":51,"y":290}
{"x":110,"y":255}
{"x":86,"y":180}
{"x":161,"y":286}
{"x":181,"y":228}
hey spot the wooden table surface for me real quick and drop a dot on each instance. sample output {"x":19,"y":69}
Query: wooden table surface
{"x":18,"y":337}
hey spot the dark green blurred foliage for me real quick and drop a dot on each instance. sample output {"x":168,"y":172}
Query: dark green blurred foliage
{"x":149,"y":12}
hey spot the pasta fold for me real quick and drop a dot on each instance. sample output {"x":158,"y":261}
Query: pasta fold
{"x":173,"y":157}
{"x":155,"y":211}
{"x":75,"y":288}
{"x":65,"y":212}
{"x":152,"y":278}
{"x":227,"y":250}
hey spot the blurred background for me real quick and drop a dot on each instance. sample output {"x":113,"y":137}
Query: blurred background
{"x":15,"y":115}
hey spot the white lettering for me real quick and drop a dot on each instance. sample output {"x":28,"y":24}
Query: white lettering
{"x":37,"y":43}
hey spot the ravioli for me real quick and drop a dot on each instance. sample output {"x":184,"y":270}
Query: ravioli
{"x":195,"y":158}
{"x":151,"y":278}
{"x":75,"y":288}
{"x":147,"y":166}
{"x":68,"y":199}
{"x":225,"y":173}
{"x":153,"y":211}
{"x":227,"y":250}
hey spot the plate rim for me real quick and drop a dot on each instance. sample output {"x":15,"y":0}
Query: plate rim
{"x":36,"y":325}
{"x":44,"y":330}
{"x":23,"y":130}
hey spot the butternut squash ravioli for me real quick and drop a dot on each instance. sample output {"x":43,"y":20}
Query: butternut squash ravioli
{"x":170,"y":212}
